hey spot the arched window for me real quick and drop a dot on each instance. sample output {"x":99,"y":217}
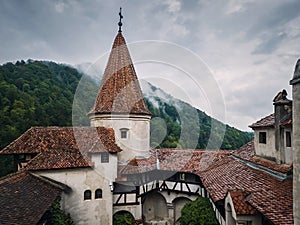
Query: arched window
{"x":87,"y":195}
{"x":98,"y":193}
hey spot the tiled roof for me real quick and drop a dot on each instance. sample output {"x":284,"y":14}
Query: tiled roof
{"x":222,"y":172}
{"x":24,"y":198}
{"x":246,"y":152}
{"x":120,"y":91}
{"x":176,"y":160}
{"x":63,"y":147}
{"x":241,"y":206}
{"x":269,"y":195}
{"x":267,"y":121}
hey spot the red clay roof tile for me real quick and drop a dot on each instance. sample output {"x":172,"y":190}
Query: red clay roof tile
{"x":63,"y":147}
{"x":271,"y":196}
{"x":246,"y":152}
{"x":176,"y":160}
{"x":221,"y":172}
{"x":267,"y":121}
{"x":24,"y":198}
{"x":241,"y":206}
{"x":120,"y":91}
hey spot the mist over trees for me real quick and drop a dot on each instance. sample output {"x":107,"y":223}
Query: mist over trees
{"x":41,"y":93}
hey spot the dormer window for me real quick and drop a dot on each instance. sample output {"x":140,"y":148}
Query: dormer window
{"x":124,"y":133}
{"x":262,"y":137}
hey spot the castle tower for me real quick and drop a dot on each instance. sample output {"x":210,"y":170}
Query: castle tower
{"x":120,"y":104}
{"x":296,"y":142}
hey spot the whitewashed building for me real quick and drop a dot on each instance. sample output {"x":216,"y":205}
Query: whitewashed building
{"x":109,"y":167}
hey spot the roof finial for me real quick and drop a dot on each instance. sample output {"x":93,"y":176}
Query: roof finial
{"x":120,"y":22}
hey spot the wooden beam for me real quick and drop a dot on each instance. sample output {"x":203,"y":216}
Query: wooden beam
{"x":124,"y":204}
{"x":119,"y":198}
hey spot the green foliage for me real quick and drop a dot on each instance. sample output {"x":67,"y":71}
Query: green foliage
{"x":197,"y":134}
{"x":123,"y":218}
{"x":6,"y":165}
{"x":56,"y":216}
{"x":198,"y":212}
{"x":38,"y":93}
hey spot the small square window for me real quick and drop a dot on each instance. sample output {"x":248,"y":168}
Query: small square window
{"x":104,"y":157}
{"x":124,"y":133}
{"x":263,"y":137}
{"x":288,"y":139}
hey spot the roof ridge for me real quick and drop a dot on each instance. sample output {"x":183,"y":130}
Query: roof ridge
{"x":17,"y":173}
{"x":14,"y":141}
{"x":52,"y":182}
{"x":264,"y":122}
{"x":278,"y":175}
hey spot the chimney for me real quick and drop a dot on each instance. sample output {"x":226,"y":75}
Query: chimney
{"x":282,"y":111}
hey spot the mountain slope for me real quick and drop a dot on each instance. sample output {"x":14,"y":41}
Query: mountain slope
{"x":185,"y":124}
{"x":39,"y":93}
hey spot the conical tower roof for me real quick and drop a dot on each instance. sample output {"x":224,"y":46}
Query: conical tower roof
{"x":120,"y":92}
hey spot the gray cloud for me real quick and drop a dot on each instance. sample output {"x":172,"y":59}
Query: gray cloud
{"x":269,"y":45}
{"x":250,"y":46}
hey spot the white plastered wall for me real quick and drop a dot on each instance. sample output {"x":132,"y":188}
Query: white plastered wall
{"x":137,"y":142}
{"x":268,"y":149}
{"x":94,"y":211}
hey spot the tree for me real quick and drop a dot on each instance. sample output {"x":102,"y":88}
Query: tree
{"x":198,"y":212}
{"x":56,"y":216}
{"x":123,"y":218}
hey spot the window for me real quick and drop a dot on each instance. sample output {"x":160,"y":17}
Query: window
{"x":263,"y":137}
{"x":87,"y":195}
{"x":124,"y":133}
{"x":288,"y":139}
{"x":98,"y":193}
{"x":104,"y":157}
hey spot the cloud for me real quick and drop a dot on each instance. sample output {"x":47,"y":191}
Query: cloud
{"x":59,"y":7}
{"x":250,"y":46}
{"x":269,"y":45}
{"x":173,"y":5}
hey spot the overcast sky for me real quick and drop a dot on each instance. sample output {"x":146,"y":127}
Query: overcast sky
{"x":250,"y":46}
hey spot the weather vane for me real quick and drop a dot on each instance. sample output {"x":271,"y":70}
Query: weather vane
{"x":120,"y":21}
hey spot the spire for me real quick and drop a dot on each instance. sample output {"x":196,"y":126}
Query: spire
{"x":120,"y":21}
{"x":120,"y":92}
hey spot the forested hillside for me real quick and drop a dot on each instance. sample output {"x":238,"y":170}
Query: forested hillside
{"x":186,"y":126}
{"x":40,"y":93}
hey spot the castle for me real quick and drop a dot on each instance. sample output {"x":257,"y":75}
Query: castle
{"x":109,"y":168}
